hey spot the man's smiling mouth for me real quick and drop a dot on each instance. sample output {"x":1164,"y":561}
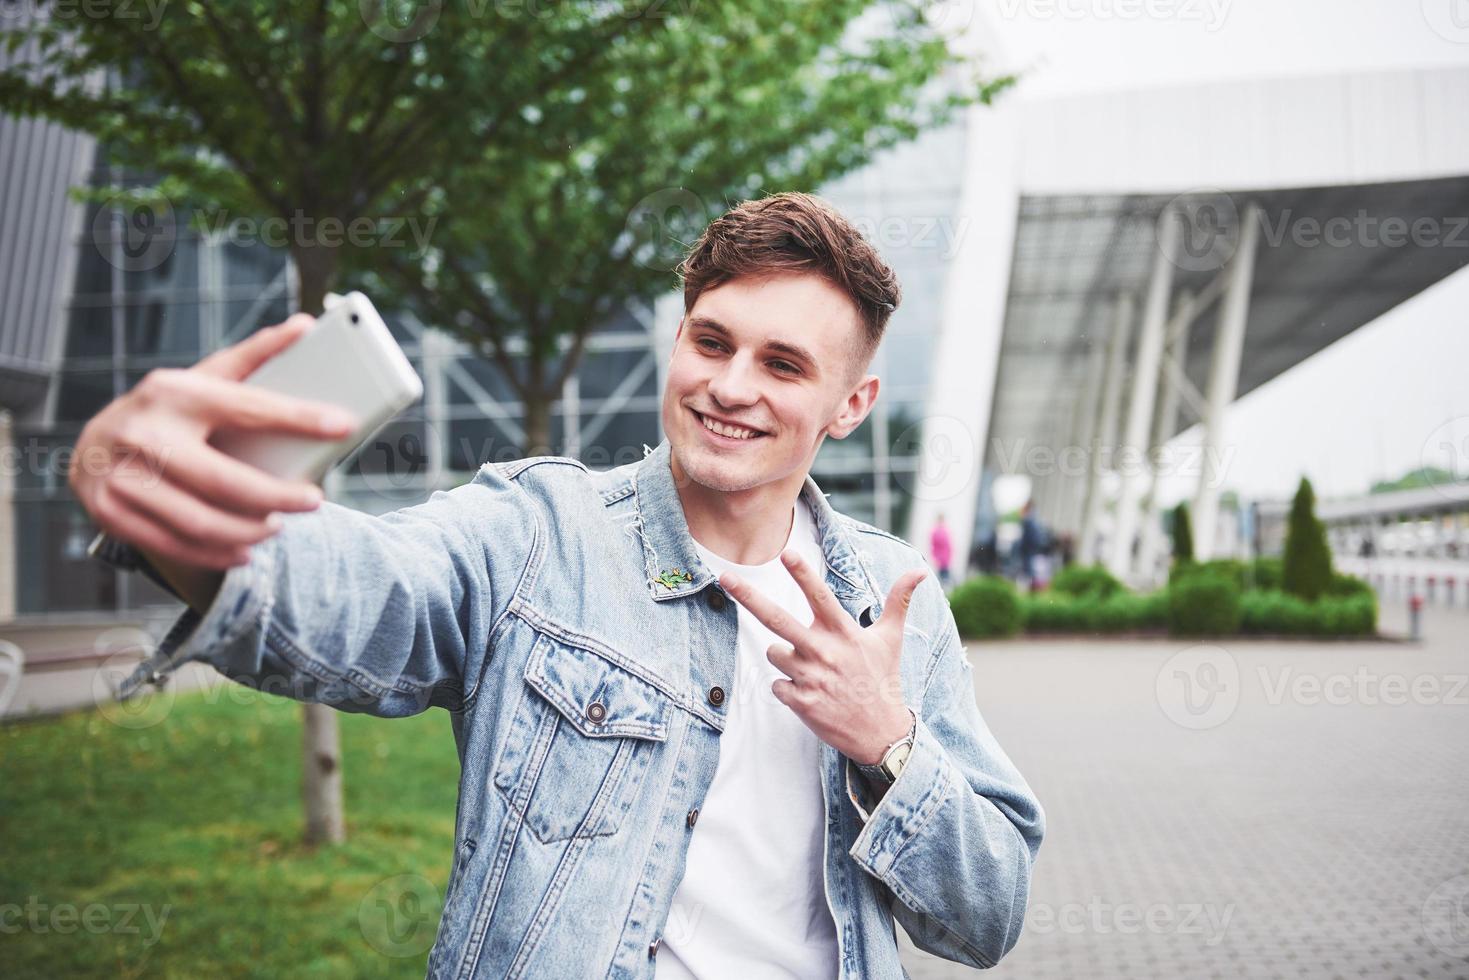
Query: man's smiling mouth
{"x":726,"y":431}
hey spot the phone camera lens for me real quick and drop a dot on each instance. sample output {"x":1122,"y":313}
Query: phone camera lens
{"x":354,"y":317}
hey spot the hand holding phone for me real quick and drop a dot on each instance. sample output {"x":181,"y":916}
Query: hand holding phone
{"x":348,"y":359}
{"x":146,"y":472}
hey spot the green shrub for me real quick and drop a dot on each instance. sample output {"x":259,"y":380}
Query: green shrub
{"x":1306,"y":566}
{"x":1058,"y":612}
{"x":1079,"y":580}
{"x":1352,"y":615}
{"x":1342,"y":584}
{"x":1267,"y":573}
{"x":1230,"y":568}
{"x":985,"y":606}
{"x":1153,"y":613}
{"x":1273,"y":611}
{"x":1055,"y":612}
{"x":1183,"y":534}
{"x":1203,"y":604}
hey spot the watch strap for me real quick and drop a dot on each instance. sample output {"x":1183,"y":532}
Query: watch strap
{"x":879,"y":770}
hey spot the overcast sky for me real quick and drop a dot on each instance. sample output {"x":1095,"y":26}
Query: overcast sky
{"x":1394,"y":394}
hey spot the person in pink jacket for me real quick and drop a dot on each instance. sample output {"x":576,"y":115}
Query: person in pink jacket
{"x":941,"y":546}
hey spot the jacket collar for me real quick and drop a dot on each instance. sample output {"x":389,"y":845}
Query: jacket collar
{"x":668,"y":546}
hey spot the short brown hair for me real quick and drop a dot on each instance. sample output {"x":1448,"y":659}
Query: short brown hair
{"x":794,"y":233}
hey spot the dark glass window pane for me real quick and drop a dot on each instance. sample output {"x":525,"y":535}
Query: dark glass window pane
{"x":621,"y":441}
{"x":89,"y":332}
{"x":82,"y":395}
{"x":158,"y":326}
{"x":603,"y":371}
{"x":60,"y":577}
{"x":250,"y":265}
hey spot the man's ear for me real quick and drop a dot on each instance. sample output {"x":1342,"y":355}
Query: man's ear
{"x":856,"y":408}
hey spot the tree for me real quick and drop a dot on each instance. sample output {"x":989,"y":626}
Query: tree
{"x":1183,"y":535}
{"x":544,"y":146}
{"x":587,"y":203}
{"x":1306,"y":566}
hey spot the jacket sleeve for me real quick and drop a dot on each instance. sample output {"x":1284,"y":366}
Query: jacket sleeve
{"x":955,"y":835}
{"x":384,"y":615}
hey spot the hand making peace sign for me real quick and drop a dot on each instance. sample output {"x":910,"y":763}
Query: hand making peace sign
{"x":844,"y":681}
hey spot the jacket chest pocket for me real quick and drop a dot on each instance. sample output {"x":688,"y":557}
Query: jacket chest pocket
{"x":580,"y":742}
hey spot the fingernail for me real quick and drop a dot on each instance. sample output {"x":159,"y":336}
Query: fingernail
{"x":273,"y":521}
{"x":732,"y":582}
{"x":311,"y":496}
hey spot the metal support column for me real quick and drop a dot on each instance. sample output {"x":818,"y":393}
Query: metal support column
{"x":1105,"y":437}
{"x":1132,"y":459}
{"x":1165,"y":422}
{"x":1229,"y":341}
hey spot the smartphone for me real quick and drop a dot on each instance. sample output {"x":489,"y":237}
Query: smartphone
{"x":350,"y":359}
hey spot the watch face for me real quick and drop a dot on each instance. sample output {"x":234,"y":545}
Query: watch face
{"x":894,"y":765}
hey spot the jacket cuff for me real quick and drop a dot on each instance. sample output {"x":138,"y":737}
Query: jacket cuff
{"x":237,"y":605}
{"x":900,"y":814}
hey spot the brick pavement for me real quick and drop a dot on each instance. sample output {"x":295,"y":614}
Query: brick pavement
{"x":1312,"y":820}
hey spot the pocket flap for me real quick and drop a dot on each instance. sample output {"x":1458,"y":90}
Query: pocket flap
{"x":596,"y":695}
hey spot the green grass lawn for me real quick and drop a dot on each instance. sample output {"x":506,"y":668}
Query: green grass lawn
{"x":174,"y":850}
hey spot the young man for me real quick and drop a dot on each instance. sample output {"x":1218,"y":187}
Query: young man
{"x":708,"y":726}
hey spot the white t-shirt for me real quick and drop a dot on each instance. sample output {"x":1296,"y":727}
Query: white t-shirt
{"x":752,"y":902}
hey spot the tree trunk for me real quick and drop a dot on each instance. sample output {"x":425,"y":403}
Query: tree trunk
{"x":321,"y":769}
{"x":538,"y":425}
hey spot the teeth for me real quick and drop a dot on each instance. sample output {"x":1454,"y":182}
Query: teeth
{"x":727,"y":430}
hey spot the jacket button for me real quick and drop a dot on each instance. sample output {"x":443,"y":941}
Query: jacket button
{"x":596,"y":711}
{"x":716,"y":599}
{"x":693,"y":816}
{"x":716,"y":696}
{"x":653,"y":946}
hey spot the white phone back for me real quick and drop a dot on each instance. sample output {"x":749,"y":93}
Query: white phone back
{"x":350,"y":359}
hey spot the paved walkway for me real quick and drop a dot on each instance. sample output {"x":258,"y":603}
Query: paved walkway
{"x":1251,"y":809}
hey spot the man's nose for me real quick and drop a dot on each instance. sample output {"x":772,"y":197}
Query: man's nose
{"x":734,"y":383}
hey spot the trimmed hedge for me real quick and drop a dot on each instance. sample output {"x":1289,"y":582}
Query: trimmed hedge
{"x":1202,"y":599}
{"x":1274,"y":611}
{"x":1086,"y":580}
{"x":1058,"y":612}
{"x":1204,"y":604}
{"x":985,"y":606}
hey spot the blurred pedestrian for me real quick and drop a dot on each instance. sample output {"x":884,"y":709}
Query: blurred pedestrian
{"x":941,"y":546}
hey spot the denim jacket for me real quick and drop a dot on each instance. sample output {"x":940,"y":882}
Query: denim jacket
{"x":587,"y":659}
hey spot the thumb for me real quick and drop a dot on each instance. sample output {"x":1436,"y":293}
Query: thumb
{"x":900,"y":597}
{"x":238,"y":361}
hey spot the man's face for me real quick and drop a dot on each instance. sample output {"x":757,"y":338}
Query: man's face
{"x":775,"y":355}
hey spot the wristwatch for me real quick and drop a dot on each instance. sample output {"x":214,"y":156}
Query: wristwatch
{"x":894,"y":757}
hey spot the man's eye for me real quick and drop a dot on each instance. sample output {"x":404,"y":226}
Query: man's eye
{"x":708,"y":344}
{"x":785,"y":365}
